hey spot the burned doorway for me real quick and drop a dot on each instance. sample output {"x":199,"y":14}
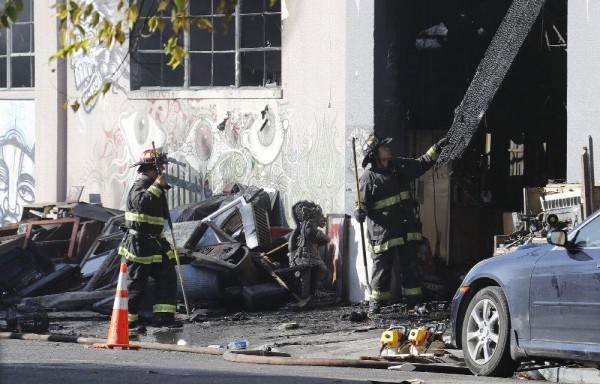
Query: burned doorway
{"x":426,"y":53}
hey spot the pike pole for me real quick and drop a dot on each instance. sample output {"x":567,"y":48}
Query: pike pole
{"x":170,"y":222}
{"x":362,"y":229}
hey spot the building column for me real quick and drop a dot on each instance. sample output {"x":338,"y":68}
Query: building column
{"x":50,"y":117}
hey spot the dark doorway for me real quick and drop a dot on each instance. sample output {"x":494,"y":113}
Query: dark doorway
{"x":426,"y":53}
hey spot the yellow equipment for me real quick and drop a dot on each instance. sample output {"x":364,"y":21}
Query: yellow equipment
{"x":419,"y":336}
{"x":397,"y":341}
{"x":392,"y":338}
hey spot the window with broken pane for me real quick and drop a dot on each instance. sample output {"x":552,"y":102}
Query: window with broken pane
{"x":245,"y":53}
{"x":517,"y":163}
{"x":17,"y":58}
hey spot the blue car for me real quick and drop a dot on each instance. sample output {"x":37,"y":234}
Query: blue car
{"x":539,"y":303}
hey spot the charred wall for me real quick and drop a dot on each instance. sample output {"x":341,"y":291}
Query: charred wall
{"x":426,"y":55}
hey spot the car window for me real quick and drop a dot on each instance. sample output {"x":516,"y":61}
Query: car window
{"x":589,"y":235}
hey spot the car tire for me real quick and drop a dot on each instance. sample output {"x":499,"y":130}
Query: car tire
{"x":486,"y":334}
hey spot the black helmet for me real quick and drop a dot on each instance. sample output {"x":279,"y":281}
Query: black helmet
{"x":370,"y":146}
{"x":149,"y":158}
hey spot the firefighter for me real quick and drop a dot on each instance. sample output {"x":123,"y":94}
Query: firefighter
{"x":393,"y":226}
{"x":145,"y":247}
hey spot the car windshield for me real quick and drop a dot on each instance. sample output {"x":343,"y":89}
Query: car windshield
{"x":588,"y":235}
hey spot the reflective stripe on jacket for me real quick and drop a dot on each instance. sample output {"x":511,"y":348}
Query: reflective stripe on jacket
{"x":145,"y":216}
{"x":385,"y":195}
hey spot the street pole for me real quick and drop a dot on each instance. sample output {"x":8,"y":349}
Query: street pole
{"x":362,"y":229}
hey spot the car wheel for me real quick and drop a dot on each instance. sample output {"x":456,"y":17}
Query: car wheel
{"x":486,"y":334}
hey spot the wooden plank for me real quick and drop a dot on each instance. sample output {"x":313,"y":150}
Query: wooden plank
{"x":73,"y":238}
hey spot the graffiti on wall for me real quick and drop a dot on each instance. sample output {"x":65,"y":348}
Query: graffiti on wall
{"x":100,"y":64}
{"x":17,"y":158}
{"x":211,"y":149}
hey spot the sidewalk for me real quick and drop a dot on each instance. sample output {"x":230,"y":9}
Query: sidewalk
{"x":572,"y":375}
{"x":320,"y":333}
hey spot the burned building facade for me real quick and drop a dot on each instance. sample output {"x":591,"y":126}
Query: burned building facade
{"x":276,"y":102}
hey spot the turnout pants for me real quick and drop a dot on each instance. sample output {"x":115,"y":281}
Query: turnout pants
{"x":410,"y":273}
{"x":165,"y":294}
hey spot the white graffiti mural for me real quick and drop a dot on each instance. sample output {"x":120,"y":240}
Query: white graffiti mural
{"x":211,"y":149}
{"x":17,"y":158}
{"x":100,"y":65}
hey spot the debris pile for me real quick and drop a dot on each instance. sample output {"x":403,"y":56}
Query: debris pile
{"x":233,"y":249}
{"x":555,"y":206}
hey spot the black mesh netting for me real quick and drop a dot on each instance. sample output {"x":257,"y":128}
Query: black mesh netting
{"x":489,"y":75}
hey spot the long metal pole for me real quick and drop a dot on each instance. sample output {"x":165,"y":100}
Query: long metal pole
{"x":362,"y":229}
{"x":591,"y":173}
{"x":170,"y":222}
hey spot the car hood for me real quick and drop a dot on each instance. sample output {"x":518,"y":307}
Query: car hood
{"x":522,"y":259}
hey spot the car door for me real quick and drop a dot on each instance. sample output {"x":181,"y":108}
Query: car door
{"x":565,"y":290}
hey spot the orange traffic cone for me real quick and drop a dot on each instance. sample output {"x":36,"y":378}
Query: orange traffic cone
{"x":118,"y":332}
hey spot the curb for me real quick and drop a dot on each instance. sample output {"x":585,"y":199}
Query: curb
{"x":572,"y":375}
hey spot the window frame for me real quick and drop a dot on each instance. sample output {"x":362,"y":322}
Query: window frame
{"x":10,"y":54}
{"x":236,"y":90}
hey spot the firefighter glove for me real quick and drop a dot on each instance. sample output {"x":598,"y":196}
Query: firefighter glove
{"x":442,"y":143}
{"x":360,"y":215}
{"x":161,"y":180}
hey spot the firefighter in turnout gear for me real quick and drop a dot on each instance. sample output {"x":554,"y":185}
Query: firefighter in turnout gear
{"x":393,"y":225}
{"x":145,"y":247}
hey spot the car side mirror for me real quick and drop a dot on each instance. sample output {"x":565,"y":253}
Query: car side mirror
{"x":558,"y":237}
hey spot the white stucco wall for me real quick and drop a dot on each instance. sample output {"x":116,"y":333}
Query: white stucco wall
{"x":304,"y":151}
{"x":33,"y":128}
{"x":583,"y":84}
{"x":359,"y":123}
{"x":300,"y":151}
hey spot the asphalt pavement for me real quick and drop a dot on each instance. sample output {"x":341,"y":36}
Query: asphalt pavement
{"x":316,"y":334}
{"x":30,"y":362}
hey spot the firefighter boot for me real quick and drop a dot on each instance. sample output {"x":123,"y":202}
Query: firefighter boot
{"x":375,"y":306}
{"x":135,"y":329}
{"x":166,"y":320}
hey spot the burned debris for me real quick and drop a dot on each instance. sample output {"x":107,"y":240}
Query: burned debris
{"x":307,"y":270}
{"x":233,"y":247}
{"x":553,"y":207}
{"x":489,"y":75}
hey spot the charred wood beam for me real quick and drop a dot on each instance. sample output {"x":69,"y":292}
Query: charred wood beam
{"x":490,"y":73}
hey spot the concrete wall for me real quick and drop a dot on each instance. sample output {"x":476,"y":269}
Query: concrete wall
{"x":303,"y":149}
{"x":33,"y":126}
{"x":300,"y":150}
{"x":359,"y":123}
{"x":583,"y":84}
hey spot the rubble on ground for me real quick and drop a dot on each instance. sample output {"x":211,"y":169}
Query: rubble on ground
{"x":553,"y":207}
{"x":234,"y":249}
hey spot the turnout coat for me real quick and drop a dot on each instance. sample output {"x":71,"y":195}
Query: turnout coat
{"x":385,"y":194}
{"x":145,"y":241}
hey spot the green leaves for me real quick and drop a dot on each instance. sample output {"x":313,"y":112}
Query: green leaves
{"x":105,"y":88}
{"x":132,"y":13}
{"x":75,"y":106}
{"x":181,"y":5}
{"x":10,"y":13}
{"x":162,"y":6}
{"x":82,"y":28}
{"x":18,"y":5}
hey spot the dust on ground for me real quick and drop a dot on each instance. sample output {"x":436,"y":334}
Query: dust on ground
{"x":311,"y":332}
